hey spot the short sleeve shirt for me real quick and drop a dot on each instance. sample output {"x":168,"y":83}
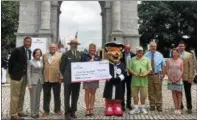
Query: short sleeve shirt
{"x":138,"y":66}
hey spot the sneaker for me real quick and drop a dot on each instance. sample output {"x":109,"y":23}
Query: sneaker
{"x":144,"y":111}
{"x":134,"y":111}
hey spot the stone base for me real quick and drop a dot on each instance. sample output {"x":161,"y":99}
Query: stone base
{"x":45,"y":32}
{"x":132,"y":40}
{"x":42,"y":34}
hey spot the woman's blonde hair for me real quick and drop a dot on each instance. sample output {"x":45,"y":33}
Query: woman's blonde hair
{"x":175,"y":49}
{"x":92,"y":44}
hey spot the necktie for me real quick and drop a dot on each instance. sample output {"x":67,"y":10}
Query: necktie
{"x":27,"y":54}
{"x":182,"y":55}
{"x":74,"y":54}
{"x":153,"y":63}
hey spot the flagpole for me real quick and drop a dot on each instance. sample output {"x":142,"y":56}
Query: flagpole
{"x":76,"y":35}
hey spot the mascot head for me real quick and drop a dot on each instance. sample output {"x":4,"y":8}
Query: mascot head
{"x":114,"y":51}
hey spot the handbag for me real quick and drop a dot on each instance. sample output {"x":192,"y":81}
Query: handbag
{"x":195,"y":79}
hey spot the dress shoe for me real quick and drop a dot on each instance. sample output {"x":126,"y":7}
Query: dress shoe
{"x":129,"y":107}
{"x":35,"y":116}
{"x":159,"y":109}
{"x":73,"y":115}
{"x":68,"y":117}
{"x":189,"y":111}
{"x":152,"y":108}
{"x":22,"y":115}
{"x":16,"y":118}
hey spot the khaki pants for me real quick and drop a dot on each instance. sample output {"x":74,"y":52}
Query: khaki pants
{"x":17,"y":93}
{"x":155,"y":90}
{"x":136,"y":89}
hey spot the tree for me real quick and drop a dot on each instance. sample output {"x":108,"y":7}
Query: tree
{"x":167,"y":22}
{"x":9,"y":23}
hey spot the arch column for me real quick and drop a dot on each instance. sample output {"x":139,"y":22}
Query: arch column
{"x":45,"y":30}
{"x":45,"y":23}
{"x":116,"y":34}
{"x":116,"y":17}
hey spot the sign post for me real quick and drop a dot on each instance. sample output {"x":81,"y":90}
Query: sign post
{"x":40,"y":43}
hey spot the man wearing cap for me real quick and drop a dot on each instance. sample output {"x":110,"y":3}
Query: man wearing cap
{"x":70,"y":89}
{"x":155,"y":77}
{"x":139,"y":67}
{"x":127,"y":56}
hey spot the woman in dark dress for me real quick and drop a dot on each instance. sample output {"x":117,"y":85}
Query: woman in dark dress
{"x":90,"y":87}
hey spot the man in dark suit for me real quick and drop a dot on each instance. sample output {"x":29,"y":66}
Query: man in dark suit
{"x":127,"y":55}
{"x":70,"y":89}
{"x":17,"y":68}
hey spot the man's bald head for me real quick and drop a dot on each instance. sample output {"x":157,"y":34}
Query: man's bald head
{"x":127,"y":48}
{"x":153,"y":46}
{"x":52,"y":48}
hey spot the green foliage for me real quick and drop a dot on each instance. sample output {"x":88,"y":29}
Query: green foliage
{"x":9,"y":22}
{"x":168,"y":21}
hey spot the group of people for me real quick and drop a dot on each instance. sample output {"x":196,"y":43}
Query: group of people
{"x":145,"y":72}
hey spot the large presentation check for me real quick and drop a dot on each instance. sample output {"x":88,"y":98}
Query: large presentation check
{"x":90,"y":71}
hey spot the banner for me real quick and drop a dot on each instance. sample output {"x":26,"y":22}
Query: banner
{"x":40,"y":43}
{"x":90,"y":71}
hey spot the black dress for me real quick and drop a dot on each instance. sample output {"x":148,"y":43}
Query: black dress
{"x":113,"y":87}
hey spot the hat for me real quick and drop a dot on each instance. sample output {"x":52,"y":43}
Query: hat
{"x":139,"y":48}
{"x":74,"y":41}
{"x":113,"y":44}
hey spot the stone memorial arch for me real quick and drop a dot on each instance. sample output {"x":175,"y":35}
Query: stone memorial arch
{"x":41,"y":19}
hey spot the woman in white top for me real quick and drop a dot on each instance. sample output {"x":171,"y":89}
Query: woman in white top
{"x":35,"y":81}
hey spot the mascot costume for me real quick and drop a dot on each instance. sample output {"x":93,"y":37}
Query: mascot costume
{"x":113,"y":88}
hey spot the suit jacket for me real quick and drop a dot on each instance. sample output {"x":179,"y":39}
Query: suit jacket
{"x":35,"y":72}
{"x":123,"y":57}
{"x":17,"y":64}
{"x":65,"y":64}
{"x":124,"y":61}
{"x":4,"y":62}
{"x":52,"y":71}
{"x":188,"y":71}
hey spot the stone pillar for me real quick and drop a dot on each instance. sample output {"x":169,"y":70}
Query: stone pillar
{"x":45,"y":15}
{"x":116,"y":16}
{"x":116,"y":34}
{"x":129,"y":23}
{"x":28,"y":20}
{"x":108,"y":21}
{"x":45,"y":30}
{"x":55,"y":20}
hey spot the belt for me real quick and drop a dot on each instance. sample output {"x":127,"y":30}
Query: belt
{"x":154,"y":74}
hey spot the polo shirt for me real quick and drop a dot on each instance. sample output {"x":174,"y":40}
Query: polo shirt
{"x":142,"y":65}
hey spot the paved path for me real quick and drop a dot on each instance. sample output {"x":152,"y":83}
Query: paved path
{"x":99,"y":109}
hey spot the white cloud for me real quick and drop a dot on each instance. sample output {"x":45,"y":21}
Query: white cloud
{"x":83,"y":16}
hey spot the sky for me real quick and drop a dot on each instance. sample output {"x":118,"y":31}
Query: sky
{"x":83,"y":16}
